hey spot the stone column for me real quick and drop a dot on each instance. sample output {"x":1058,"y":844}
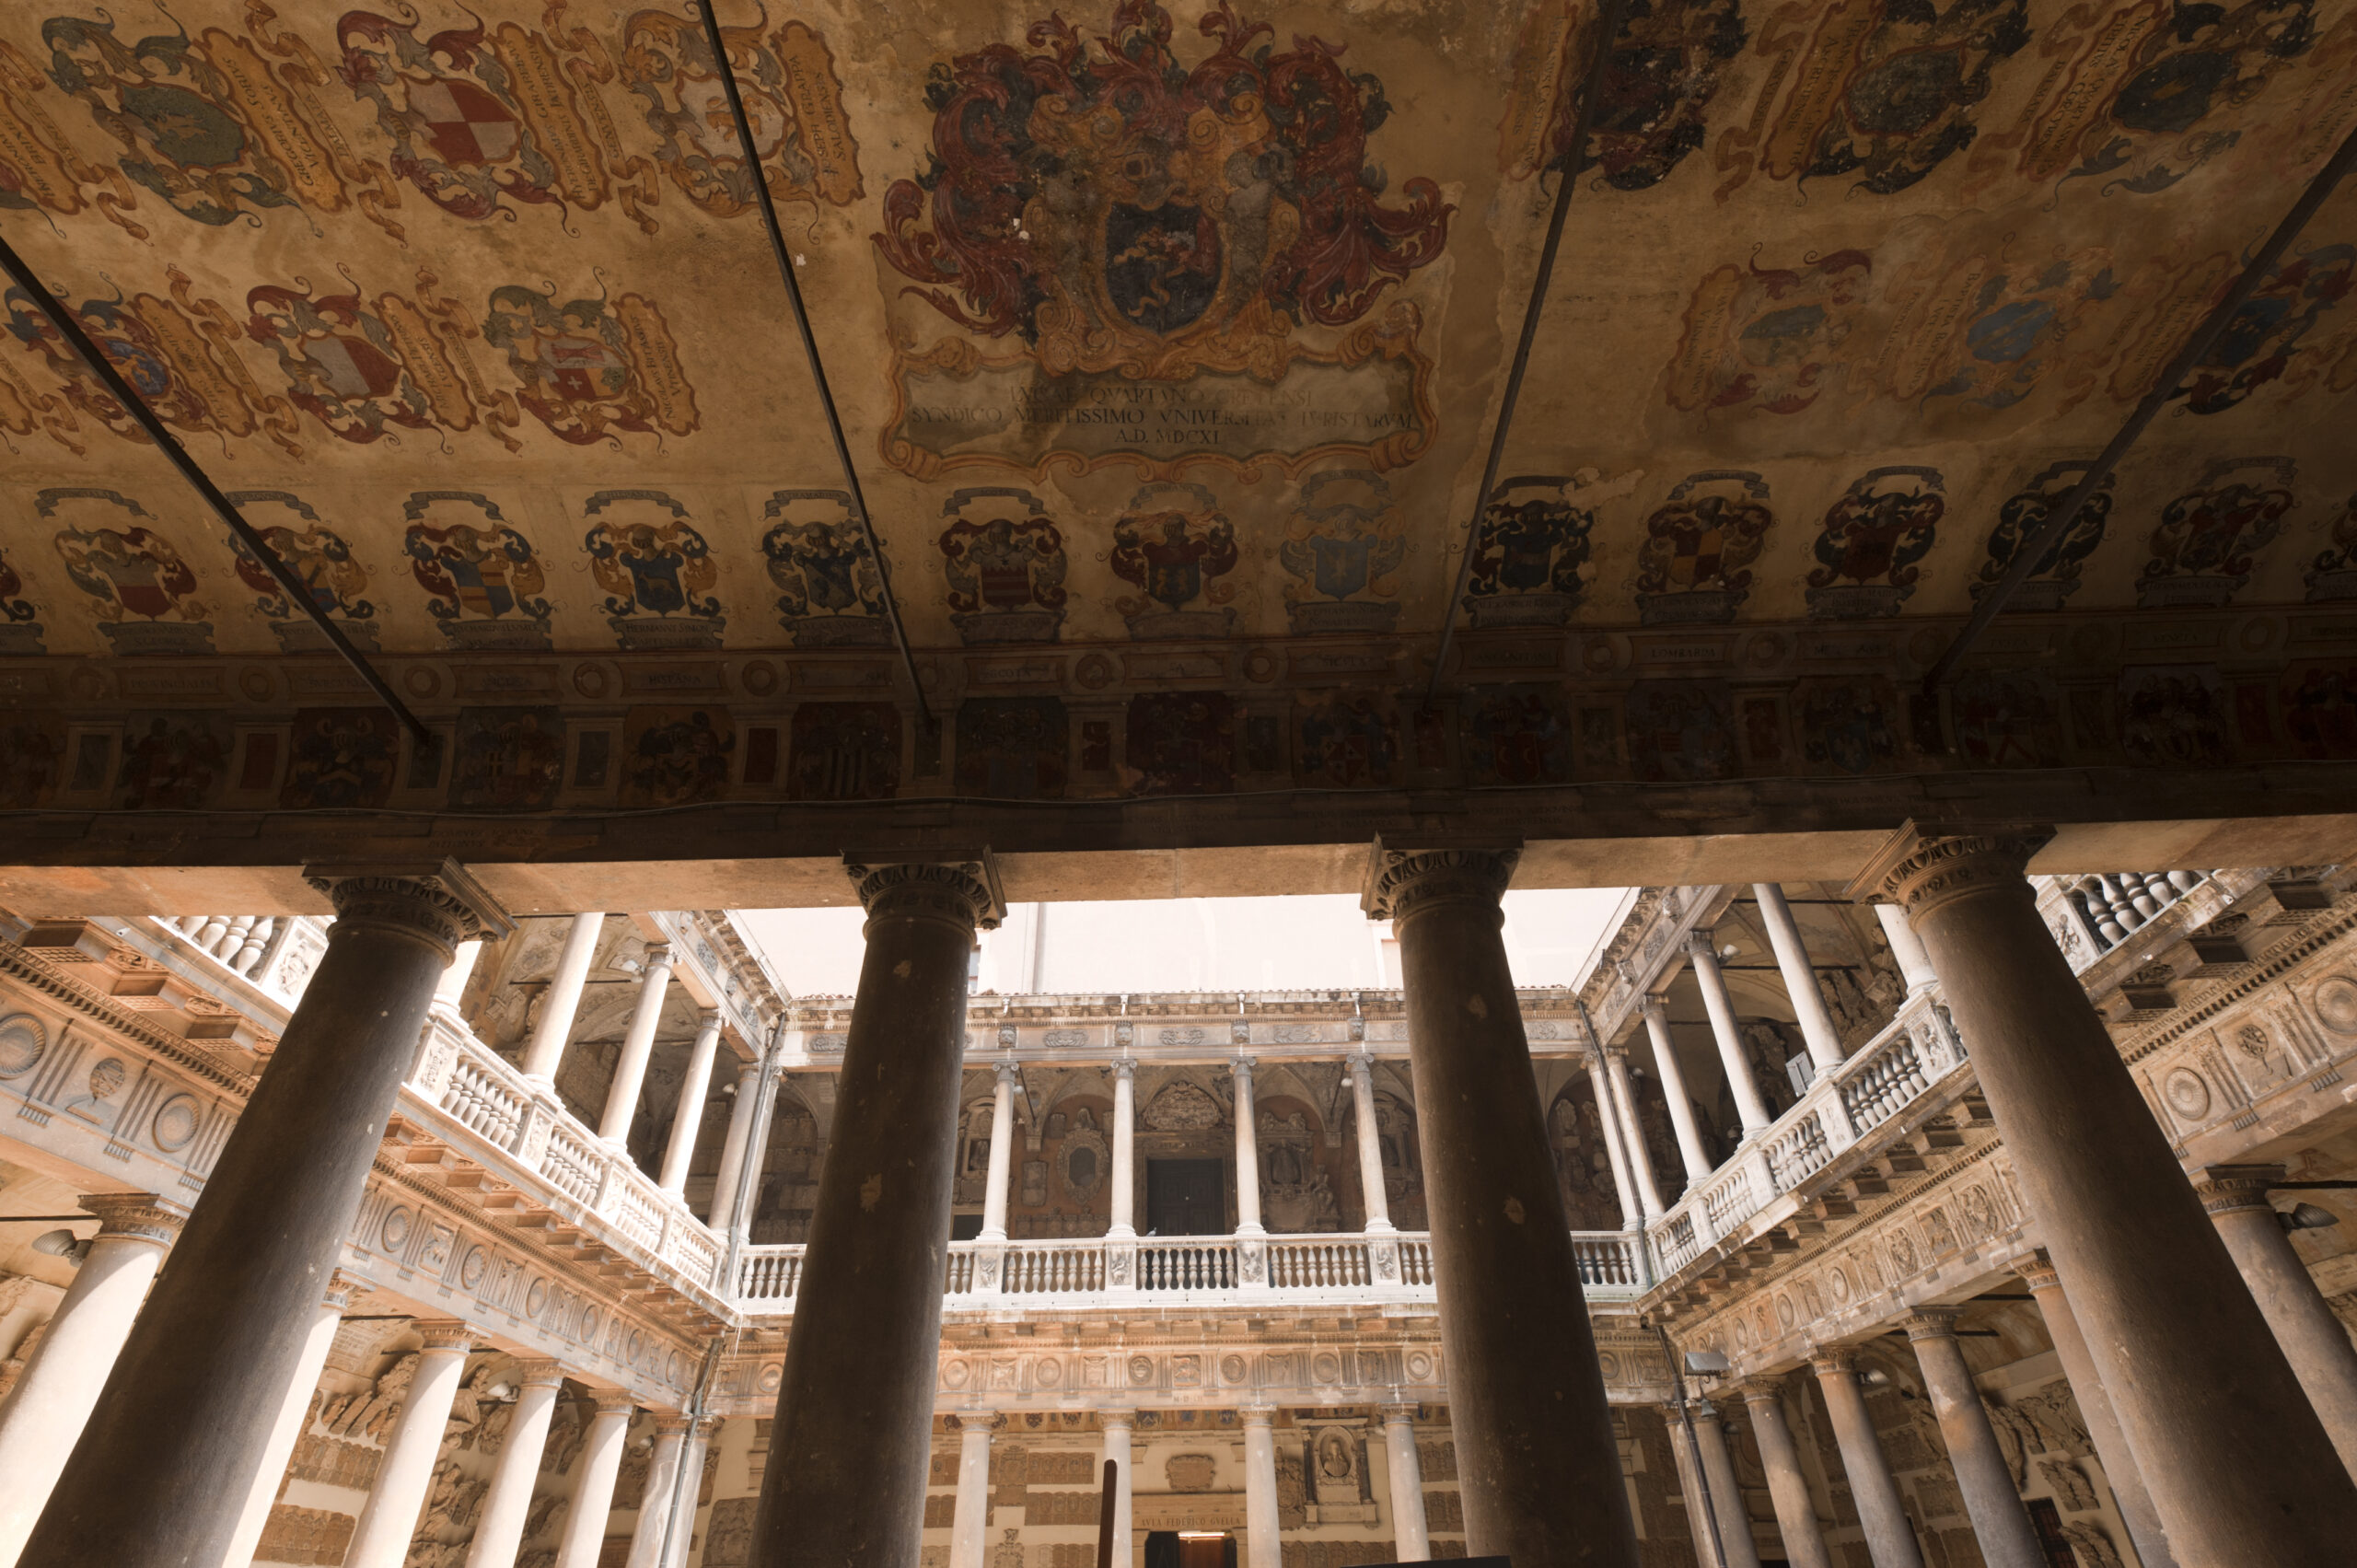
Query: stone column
{"x":1998,"y":1520}
{"x":1736,"y":1544}
{"x":1672,"y":1089}
{"x":294,"y":1414}
{"x":2235,"y":1456}
{"x":1889,"y":1538}
{"x":719,"y":1215}
{"x":45,"y":1412}
{"x":552,"y":1031}
{"x":1117,"y":1427}
{"x":406,"y":1474}
{"x":1906,"y":948}
{"x":1413,"y":1542}
{"x":686,"y":1116}
{"x":844,"y":1487}
{"x":499,"y":1527}
{"x":1711,"y":982}
{"x":1633,"y":1132}
{"x":1122,"y":1179}
{"x":583,"y":1537}
{"x":1261,"y":1547}
{"x":1787,"y":1481}
{"x":1248,"y":1154}
{"x":1683,"y":1453}
{"x":687,"y":1492}
{"x":2312,"y":1338}
{"x":1540,"y":1470}
{"x":1607,"y":1120}
{"x":970,"y":1520}
{"x":1377,"y":1200}
{"x":638,"y":1044}
{"x":2112,"y":1452}
{"x":171,"y":1449}
{"x":1800,"y":980}
{"x":650,"y":1537}
{"x":1001,"y":1167}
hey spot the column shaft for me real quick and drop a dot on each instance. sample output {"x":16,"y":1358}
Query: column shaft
{"x":687,"y":1115}
{"x":1121,"y":1180}
{"x":1539,"y":1469}
{"x":1247,"y":1154}
{"x":1685,"y":1453}
{"x":1890,"y":1539}
{"x":1633,"y":1132}
{"x":687,"y":1493}
{"x":1708,"y":979}
{"x":406,"y":1474}
{"x":650,"y":1537}
{"x":846,"y":1484}
{"x":969,"y":1519}
{"x":1117,"y":1427}
{"x":1378,"y":1202}
{"x":1261,"y":1547}
{"x":720,"y":1214}
{"x":2112,"y":1451}
{"x":553,"y":1030}
{"x":1906,"y":948}
{"x":1726,"y":1494}
{"x":1002,"y":1163}
{"x":1608,"y":1121}
{"x":1414,"y":1542}
{"x":1998,"y":1520}
{"x":164,"y":1465}
{"x":2313,"y":1339}
{"x":1787,"y":1481}
{"x":2240,"y":1465}
{"x":1672,"y":1089}
{"x":1800,"y":979}
{"x":45,"y":1412}
{"x":583,"y":1541}
{"x":294,"y":1412}
{"x":499,"y":1527}
{"x":638,"y":1044}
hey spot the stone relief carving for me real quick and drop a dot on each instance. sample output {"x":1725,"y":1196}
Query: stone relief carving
{"x":1191,"y":1473}
{"x":1181,"y":1108}
{"x":2073,"y":1492}
{"x":2094,"y":1547}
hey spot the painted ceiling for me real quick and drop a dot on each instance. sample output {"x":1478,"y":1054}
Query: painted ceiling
{"x":1159,"y":324}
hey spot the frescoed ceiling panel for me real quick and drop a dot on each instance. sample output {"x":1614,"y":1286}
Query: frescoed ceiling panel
{"x":1159,"y":324}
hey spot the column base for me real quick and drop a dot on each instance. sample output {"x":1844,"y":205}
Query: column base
{"x":1382,"y":1228}
{"x":1121,"y":1232}
{"x":1254,"y":1231}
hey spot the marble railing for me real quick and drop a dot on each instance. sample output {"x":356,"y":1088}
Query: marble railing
{"x":273,"y":953}
{"x":1357,"y":1270}
{"x":470,"y":1088}
{"x":1872,"y":1089}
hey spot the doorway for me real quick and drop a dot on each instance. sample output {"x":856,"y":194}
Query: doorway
{"x":1191,"y":1549}
{"x":1186,"y":1197}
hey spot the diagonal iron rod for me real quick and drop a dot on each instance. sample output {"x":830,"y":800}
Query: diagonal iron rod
{"x":2057,"y":523}
{"x":810,"y":344}
{"x":297,"y":590}
{"x":1607,"y":28}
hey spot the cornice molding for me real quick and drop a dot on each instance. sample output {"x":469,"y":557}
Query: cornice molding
{"x":98,"y":1008}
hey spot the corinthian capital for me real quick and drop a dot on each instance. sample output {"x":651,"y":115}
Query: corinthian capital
{"x":1927,"y":863}
{"x":964,"y":891}
{"x":1401,"y":881}
{"x":438,"y":900}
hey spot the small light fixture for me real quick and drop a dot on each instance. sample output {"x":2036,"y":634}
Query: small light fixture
{"x":61,"y":1243}
{"x":1728,"y":951}
{"x":2307,"y":1217}
{"x":1706,"y":1362}
{"x":1873,"y":1377}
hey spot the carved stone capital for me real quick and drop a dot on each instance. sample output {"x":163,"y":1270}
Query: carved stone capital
{"x":658,"y":956}
{"x":1698,"y":943}
{"x":341,"y":1288}
{"x":963,"y":892}
{"x":613,"y":1402}
{"x":1757,"y":1390}
{"x":1931,"y":1323}
{"x":1117,"y":1421}
{"x":1830,"y":1359}
{"x":2225,"y":1187}
{"x":1399,"y":882}
{"x":139,"y":1216}
{"x":447,"y":1334}
{"x":1007,"y":1073}
{"x":540,"y":1374}
{"x":1399,"y":1415}
{"x":1242,"y":1068}
{"x":439,"y":900}
{"x":673,"y":1423}
{"x":1656,"y":1006}
{"x":1361,"y":1063}
{"x":1126,"y":1069}
{"x":2037,"y":1272}
{"x":1258,"y":1415}
{"x":1926,"y":865}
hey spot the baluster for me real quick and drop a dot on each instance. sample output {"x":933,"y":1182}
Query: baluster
{"x":257,"y":938}
{"x":210,"y":932}
{"x":2185,"y":881}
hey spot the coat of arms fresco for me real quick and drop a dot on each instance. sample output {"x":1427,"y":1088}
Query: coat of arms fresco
{"x":2055,"y":576}
{"x":2331,"y":575}
{"x":656,"y":570}
{"x":1175,"y":543}
{"x":1345,"y":539}
{"x":1871,"y":537}
{"x":364,"y":368}
{"x":792,"y":96}
{"x":1004,"y":559}
{"x":481,"y":577}
{"x":1146,"y":257}
{"x":2206,"y":547}
{"x":320,"y":557}
{"x":829,"y":593}
{"x":1659,"y":88}
{"x":19,"y":632}
{"x":141,"y":591}
{"x":1694,"y":566}
{"x":589,"y":369}
{"x":1529,"y":558}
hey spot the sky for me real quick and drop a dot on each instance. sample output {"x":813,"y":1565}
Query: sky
{"x":1303,"y":943}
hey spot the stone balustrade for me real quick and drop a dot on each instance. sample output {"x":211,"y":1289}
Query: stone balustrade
{"x":1083,"y":1273}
